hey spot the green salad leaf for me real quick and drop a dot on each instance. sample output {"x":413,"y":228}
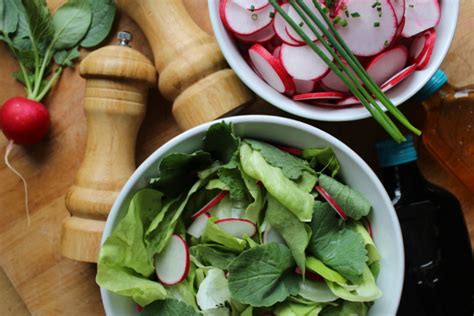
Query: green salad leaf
{"x":296,"y":309}
{"x":354,"y":204}
{"x":213,"y":291}
{"x":317,"y":292}
{"x":183,"y":291}
{"x":327,"y":273}
{"x":254,"y":209}
{"x":220,"y":142}
{"x":260,"y":276}
{"x":322,"y":160}
{"x":213,"y":233}
{"x":232,"y":177}
{"x":346,"y":308}
{"x":169,"y":307}
{"x":213,"y":255}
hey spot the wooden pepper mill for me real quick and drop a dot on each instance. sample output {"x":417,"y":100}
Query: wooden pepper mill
{"x":118,"y":78}
{"x":193,"y":71}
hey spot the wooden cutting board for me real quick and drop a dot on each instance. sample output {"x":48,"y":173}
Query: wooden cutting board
{"x":44,"y":283}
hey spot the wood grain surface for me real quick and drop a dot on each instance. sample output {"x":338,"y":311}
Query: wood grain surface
{"x":48,"y":284}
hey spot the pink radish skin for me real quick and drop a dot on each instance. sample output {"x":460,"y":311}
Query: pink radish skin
{"x":279,"y":25}
{"x":291,"y":150}
{"x":271,"y":69}
{"x":271,"y":235}
{"x":425,"y":56}
{"x":237,"y":227}
{"x":399,"y":77}
{"x":302,"y":63}
{"x":252,"y":4}
{"x":388,"y":63}
{"x":298,"y":20}
{"x":420,"y":15}
{"x":362,"y":37}
{"x":349,"y":101}
{"x":315,"y":96}
{"x":331,"y":202}
{"x":172,"y":264}
{"x":399,"y":9}
{"x":262,"y":36}
{"x":197,"y":227}
{"x":210,"y":204}
{"x":244,"y":22}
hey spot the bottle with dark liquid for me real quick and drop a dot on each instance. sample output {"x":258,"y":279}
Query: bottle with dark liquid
{"x":439,"y":275}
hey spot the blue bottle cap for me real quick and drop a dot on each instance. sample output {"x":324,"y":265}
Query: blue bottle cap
{"x":434,"y":84}
{"x":390,"y":153}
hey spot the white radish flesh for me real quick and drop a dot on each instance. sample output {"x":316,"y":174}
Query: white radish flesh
{"x":237,"y":227}
{"x":298,"y":20}
{"x":388,"y":63}
{"x":252,"y":4}
{"x":368,"y":33}
{"x":210,"y":204}
{"x":399,"y":77}
{"x":349,"y":101}
{"x":262,"y":36}
{"x":244,"y":22}
{"x":197,"y":227}
{"x":172,"y":264}
{"x":279,"y":25}
{"x":303,"y":86}
{"x":270,"y":69}
{"x":399,"y":8}
{"x":319,"y":96}
{"x":271,"y":235}
{"x":302,"y":63}
{"x":420,"y":15}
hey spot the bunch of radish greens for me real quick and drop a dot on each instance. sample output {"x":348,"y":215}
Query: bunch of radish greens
{"x":244,"y":227}
{"x":43,"y":45}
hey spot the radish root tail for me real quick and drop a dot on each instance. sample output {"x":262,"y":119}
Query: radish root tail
{"x":25,"y":185}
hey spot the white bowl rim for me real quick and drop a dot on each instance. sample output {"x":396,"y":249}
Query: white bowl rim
{"x":267,"y":93}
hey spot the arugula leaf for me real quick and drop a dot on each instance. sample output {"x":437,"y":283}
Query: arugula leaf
{"x":177,"y":171}
{"x":8,"y":16}
{"x":354,"y":204}
{"x":296,"y":309}
{"x":169,"y":307}
{"x":233,"y":179}
{"x":220,"y":142}
{"x":213,"y":291}
{"x":284,"y":190}
{"x":213,"y":233}
{"x":294,"y":232}
{"x":259,"y":276}
{"x":65,"y":57}
{"x":345,"y":308}
{"x":213,"y":255}
{"x":291,"y":166}
{"x":322,"y":160}
{"x":71,"y":22}
{"x":103,"y":13}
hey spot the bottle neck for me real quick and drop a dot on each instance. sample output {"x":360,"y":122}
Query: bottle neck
{"x":403,"y":182}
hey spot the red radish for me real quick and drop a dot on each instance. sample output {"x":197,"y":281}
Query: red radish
{"x":303,"y":86}
{"x":388,"y":63}
{"x":279,"y":25}
{"x":399,"y":30}
{"x":291,"y":150}
{"x":367,"y":33}
{"x":271,"y":69}
{"x":399,"y":9}
{"x":271,"y":235}
{"x":298,"y":20}
{"x":348,"y":101}
{"x":262,"y":36}
{"x":331,"y":202}
{"x":399,"y":77}
{"x":197,"y":227}
{"x":319,"y":96}
{"x":368,"y":226}
{"x":252,"y":4}
{"x":420,"y":15}
{"x":310,"y":275}
{"x":276,"y":52}
{"x":244,"y":22}
{"x":139,"y":308}
{"x":332,"y":82}
{"x":237,"y":227}
{"x":210,"y":204}
{"x":172,"y":264}
{"x":302,"y":63}
{"x":426,"y":41}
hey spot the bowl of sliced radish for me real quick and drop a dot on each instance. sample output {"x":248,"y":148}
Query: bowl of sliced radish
{"x":400,"y":43}
{"x":151,"y":260}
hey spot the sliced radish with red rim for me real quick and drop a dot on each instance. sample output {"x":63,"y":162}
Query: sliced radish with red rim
{"x":262,"y":36}
{"x":422,"y":48}
{"x":302,"y":63}
{"x":271,"y":69}
{"x":245,"y":22}
{"x":197,"y":227}
{"x":349,"y":101}
{"x":252,"y":5}
{"x":331,"y":202}
{"x":317,"y":96}
{"x":332,"y":82}
{"x":399,"y":77}
{"x":399,"y":8}
{"x":237,"y":227}
{"x":420,"y":15}
{"x":388,"y":63}
{"x":172,"y":264}
{"x":279,"y":25}
{"x":298,"y":20}
{"x":303,"y":86}
{"x":276,"y":52}
{"x":210,"y":204}
{"x":291,"y":150}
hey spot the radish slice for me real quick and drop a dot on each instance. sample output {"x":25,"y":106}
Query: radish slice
{"x":399,"y":77}
{"x":252,"y":4}
{"x":418,"y":48}
{"x":271,"y":235}
{"x":387,"y":64}
{"x":400,"y":27}
{"x":210,"y":204}
{"x":172,"y":264}
{"x":279,"y":25}
{"x":302,"y":63}
{"x":424,"y":56}
{"x":368,"y":226}
{"x":197,"y":227}
{"x":291,"y":150}
{"x":331,"y":202}
{"x":237,"y":227}
{"x":332,"y":82}
{"x":264,"y":35}
{"x":298,"y":20}
{"x":303,"y":86}
{"x":399,"y":8}
{"x":319,"y":96}
{"x":276,"y":52}
{"x":337,"y":6}
{"x":368,"y":33}
{"x":348,"y":101}
{"x":420,"y":15}
{"x":245,"y":22}
{"x":270,"y":69}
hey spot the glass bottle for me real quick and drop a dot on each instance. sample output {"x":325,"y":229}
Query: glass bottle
{"x":438,"y":260}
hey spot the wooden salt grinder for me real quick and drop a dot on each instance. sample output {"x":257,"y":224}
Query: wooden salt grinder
{"x":193,"y":72}
{"x":117,"y":82}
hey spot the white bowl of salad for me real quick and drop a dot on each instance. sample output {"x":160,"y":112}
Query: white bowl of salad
{"x":400,"y":44}
{"x":252,"y":215}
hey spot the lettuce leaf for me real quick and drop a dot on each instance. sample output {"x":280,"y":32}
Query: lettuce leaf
{"x":295,"y":309}
{"x":213,"y":291}
{"x":213,"y":233}
{"x":322,"y":160}
{"x":346,"y":308}
{"x":253,"y":210}
{"x":327,"y":273}
{"x":317,"y":292}
{"x":284,"y":190}
{"x":169,"y":307}
{"x":220,"y":142}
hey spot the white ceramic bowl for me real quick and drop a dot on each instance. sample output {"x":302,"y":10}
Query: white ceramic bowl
{"x":355,"y":171}
{"x":398,"y":95}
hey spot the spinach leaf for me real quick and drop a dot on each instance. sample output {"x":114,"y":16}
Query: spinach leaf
{"x":322,"y":160}
{"x":8,"y":16}
{"x":220,"y":142}
{"x":259,"y":276}
{"x":65,"y":57}
{"x":103,"y":13}
{"x":294,"y":232}
{"x":291,"y":166}
{"x":177,"y":171}
{"x":71,"y":22}
{"x":169,"y":307}
{"x":354,"y":204}
{"x":213,"y":255}
{"x":345,"y":308}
